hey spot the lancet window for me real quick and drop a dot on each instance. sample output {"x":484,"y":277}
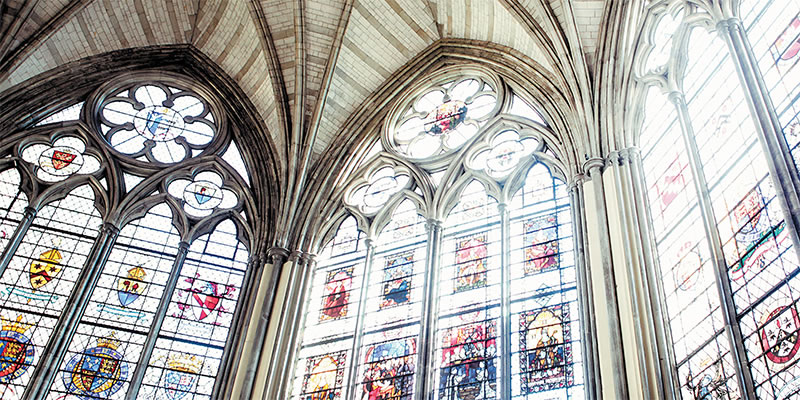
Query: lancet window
{"x":720,"y":189}
{"x":451,"y":247}
{"x":123,"y":226}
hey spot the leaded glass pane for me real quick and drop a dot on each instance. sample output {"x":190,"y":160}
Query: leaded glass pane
{"x":120,"y":313}
{"x":467,"y":339}
{"x":755,"y":243}
{"x":332,"y":307}
{"x":192,"y":339}
{"x":687,"y":277}
{"x":12,"y":204}
{"x":39,"y":280}
{"x":546,"y":359}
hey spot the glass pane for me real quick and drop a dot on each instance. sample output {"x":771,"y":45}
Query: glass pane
{"x":686,"y":270}
{"x":12,"y":204}
{"x":766,"y":285}
{"x":330,"y":318}
{"x":546,"y":359}
{"x":39,"y":279}
{"x":469,"y":299}
{"x":120,"y":313}
{"x":187,"y":355}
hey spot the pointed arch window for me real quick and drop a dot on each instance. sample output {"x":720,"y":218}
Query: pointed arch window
{"x":124,"y":258}
{"x":466,"y":288}
{"x":724,"y":236}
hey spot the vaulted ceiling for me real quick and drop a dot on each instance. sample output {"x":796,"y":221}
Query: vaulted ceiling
{"x":260,"y":43}
{"x":309,"y":66}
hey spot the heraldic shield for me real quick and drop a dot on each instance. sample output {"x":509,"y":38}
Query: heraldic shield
{"x":129,"y":288}
{"x":16,"y":350}
{"x":98,"y":372}
{"x":180,"y":375}
{"x":45,"y":269}
{"x":62,"y":159}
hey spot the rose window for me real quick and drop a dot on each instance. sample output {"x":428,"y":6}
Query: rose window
{"x":505,"y":152}
{"x":157,"y":123}
{"x":443,"y":117}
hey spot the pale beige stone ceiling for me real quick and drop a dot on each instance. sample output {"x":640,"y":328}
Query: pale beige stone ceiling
{"x":247,"y":38}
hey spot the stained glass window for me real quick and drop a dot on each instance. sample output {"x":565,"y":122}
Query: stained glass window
{"x":144,"y":311}
{"x":333,"y":305}
{"x":469,"y":299}
{"x":388,"y":356}
{"x":747,"y":233}
{"x":443,"y":117}
{"x":37,"y":283}
{"x":122,"y":307}
{"x":64,"y":158}
{"x":462,"y":274}
{"x":188,"y":350}
{"x":545,"y":330}
{"x":157,"y":122}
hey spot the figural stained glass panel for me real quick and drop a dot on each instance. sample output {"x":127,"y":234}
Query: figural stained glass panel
{"x":37,"y":283}
{"x":120,"y":312}
{"x":397,"y":271}
{"x":188,"y":352}
{"x":388,"y":363}
{"x":468,"y":331}
{"x":324,"y":377}
{"x":398,"y":274}
{"x":546,"y":361}
{"x":332,"y":308}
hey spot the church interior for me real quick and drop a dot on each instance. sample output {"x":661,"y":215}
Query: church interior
{"x":399,"y":199}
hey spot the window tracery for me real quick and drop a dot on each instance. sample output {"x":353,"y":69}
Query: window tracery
{"x":457,"y":217}
{"x":132,"y":250}
{"x":722,"y":230}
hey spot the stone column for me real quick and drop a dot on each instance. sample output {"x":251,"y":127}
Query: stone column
{"x":611,"y":354}
{"x":255,"y":340}
{"x":588,"y":337}
{"x":158,"y":320}
{"x":281,"y":362}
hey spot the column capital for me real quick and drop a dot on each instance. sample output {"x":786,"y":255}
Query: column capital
{"x":613,"y":158}
{"x":675,"y":96}
{"x":109,"y":229}
{"x":592,"y":164}
{"x":183,"y":247}
{"x":729,"y":25}
{"x":502,"y":208}
{"x":432,"y":224}
{"x":629,"y":154}
{"x":277,"y":252}
{"x":576,"y":181}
